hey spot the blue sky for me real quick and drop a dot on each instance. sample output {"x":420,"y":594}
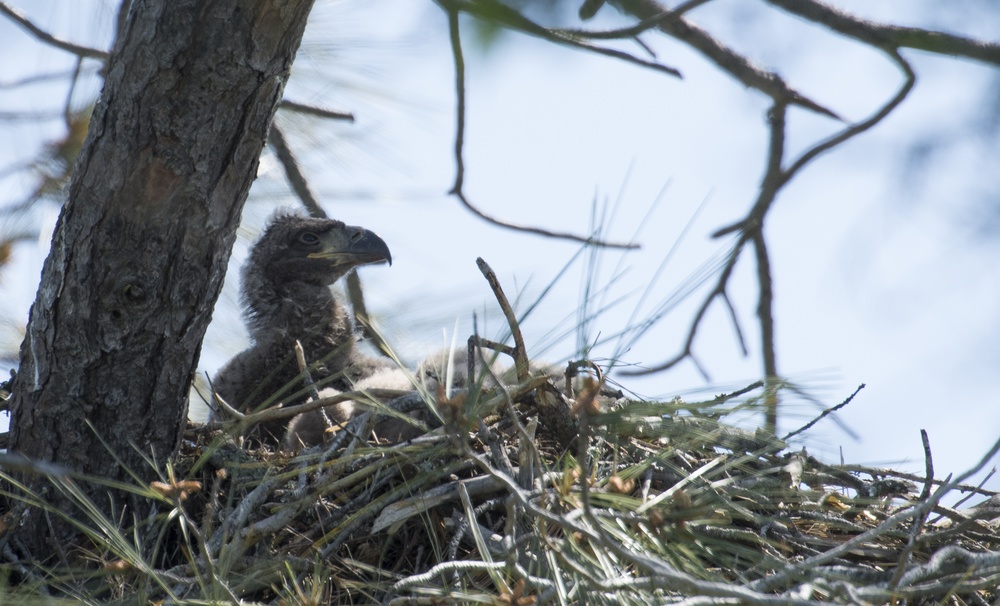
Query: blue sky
{"x":883,"y":276}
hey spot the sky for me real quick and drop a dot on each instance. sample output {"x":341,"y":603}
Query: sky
{"x":883,"y":259}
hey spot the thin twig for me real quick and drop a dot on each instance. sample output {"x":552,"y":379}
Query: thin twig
{"x":978,"y":489}
{"x":477,"y":341}
{"x":910,"y":79}
{"x":312,"y":110}
{"x":919,"y":521}
{"x":928,"y":466}
{"x":823,"y":414}
{"x":81,"y":51}
{"x":763,"y":205}
{"x":737,"y":329}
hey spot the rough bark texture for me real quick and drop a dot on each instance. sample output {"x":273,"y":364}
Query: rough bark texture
{"x":140,"y":251}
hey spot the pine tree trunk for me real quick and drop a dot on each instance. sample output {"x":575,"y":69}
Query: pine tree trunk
{"x":139,"y":253}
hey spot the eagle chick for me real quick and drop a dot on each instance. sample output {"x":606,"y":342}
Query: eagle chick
{"x":285,"y":289}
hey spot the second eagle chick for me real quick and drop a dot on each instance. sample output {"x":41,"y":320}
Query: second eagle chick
{"x":315,"y":428}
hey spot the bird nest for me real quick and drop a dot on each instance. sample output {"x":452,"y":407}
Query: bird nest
{"x":551,"y":491}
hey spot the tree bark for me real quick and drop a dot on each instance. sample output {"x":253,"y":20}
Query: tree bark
{"x":140,"y":250}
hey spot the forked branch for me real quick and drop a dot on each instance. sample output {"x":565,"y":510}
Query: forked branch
{"x":750,"y":228}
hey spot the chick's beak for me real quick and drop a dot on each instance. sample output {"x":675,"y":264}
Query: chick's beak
{"x":367,"y":247}
{"x":362,"y":247}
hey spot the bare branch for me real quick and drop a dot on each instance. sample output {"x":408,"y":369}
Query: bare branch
{"x":727,"y":59}
{"x":751,"y":228}
{"x":81,"y":51}
{"x":765,"y":314}
{"x":293,"y":173}
{"x":456,"y":190}
{"x":455,"y":36}
{"x":891,"y":37}
{"x":752,"y":224}
{"x":752,"y":231}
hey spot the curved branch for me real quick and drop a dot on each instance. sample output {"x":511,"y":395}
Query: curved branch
{"x":737,"y":329}
{"x":688,"y":350}
{"x":860,"y":127}
{"x":456,"y":189}
{"x":81,"y":51}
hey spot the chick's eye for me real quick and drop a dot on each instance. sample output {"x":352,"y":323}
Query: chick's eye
{"x":308,"y":237}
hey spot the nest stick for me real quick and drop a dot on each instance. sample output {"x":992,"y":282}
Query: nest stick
{"x":520,"y":353}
